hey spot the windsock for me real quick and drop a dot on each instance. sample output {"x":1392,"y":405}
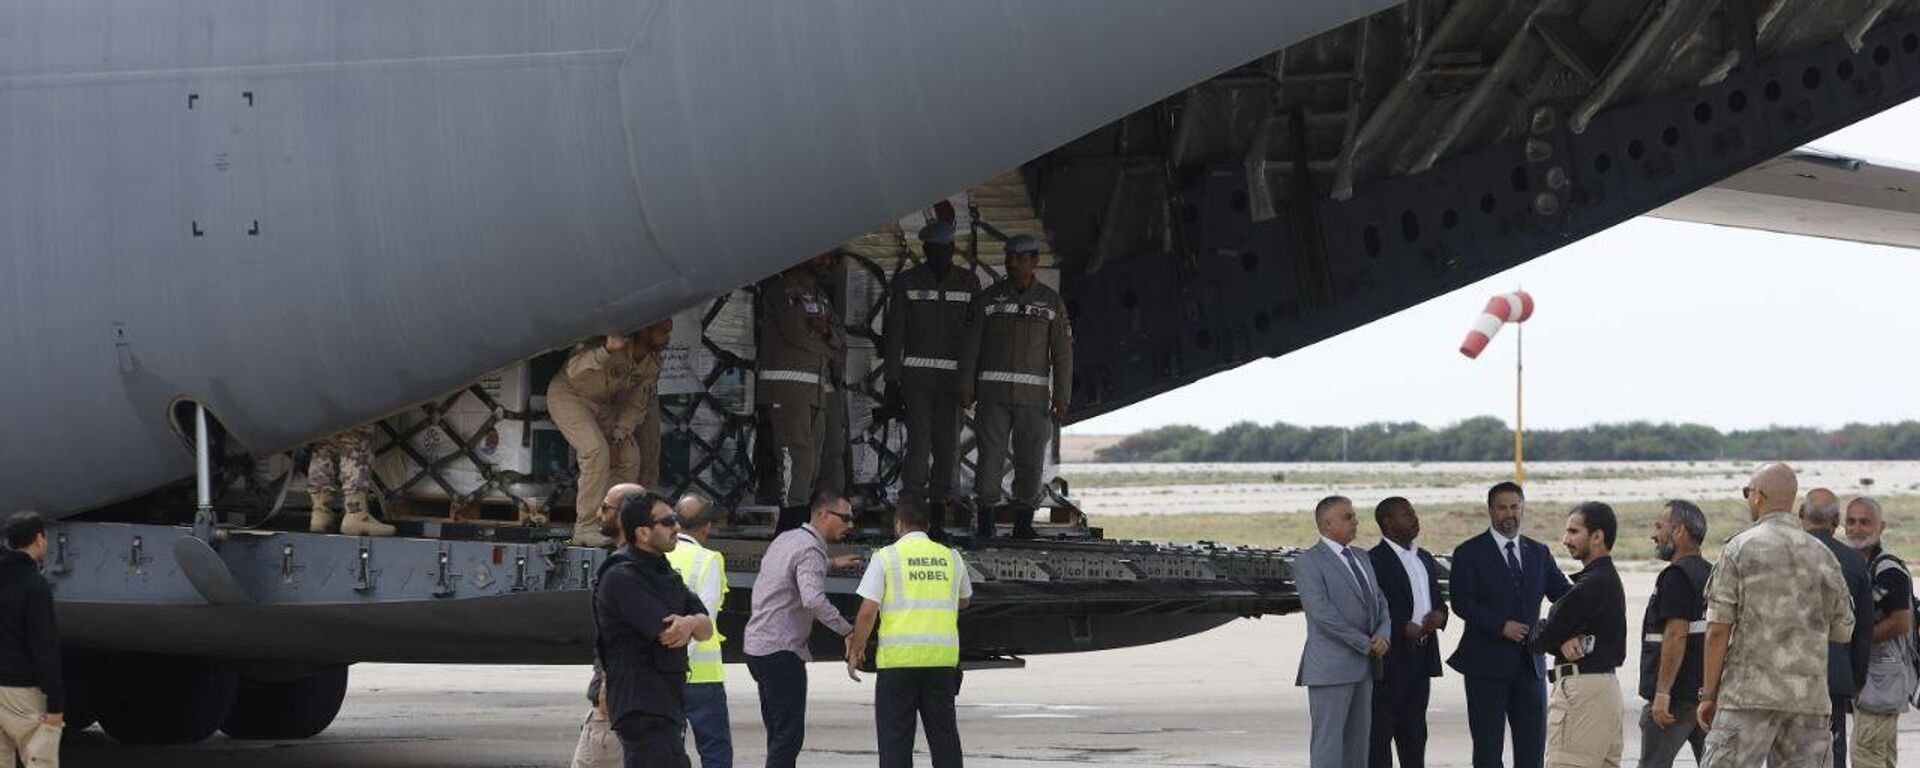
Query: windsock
{"x":1505,"y":308}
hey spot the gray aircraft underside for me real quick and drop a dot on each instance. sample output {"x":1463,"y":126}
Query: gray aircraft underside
{"x":306,"y":214}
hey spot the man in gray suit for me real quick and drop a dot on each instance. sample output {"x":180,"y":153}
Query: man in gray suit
{"x":1347,"y":628}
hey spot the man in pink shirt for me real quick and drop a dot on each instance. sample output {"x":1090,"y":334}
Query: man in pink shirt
{"x":789,"y":595}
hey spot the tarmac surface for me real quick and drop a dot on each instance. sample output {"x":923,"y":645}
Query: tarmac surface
{"x":1223,"y":698}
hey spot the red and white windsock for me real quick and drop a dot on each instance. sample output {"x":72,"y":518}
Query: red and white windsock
{"x":1505,"y":308}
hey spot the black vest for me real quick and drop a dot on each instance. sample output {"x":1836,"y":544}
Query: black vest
{"x":1686,"y":684}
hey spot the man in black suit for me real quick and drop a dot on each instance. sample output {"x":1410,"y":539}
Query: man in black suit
{"x":1497,"y":582}
{"x":1411,"y":581}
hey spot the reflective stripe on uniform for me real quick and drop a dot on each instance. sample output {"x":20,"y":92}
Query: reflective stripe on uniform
{"x":1693,"y":628}
{"x":927,"y":295}
{"x":1028,"y":310}
{"x":1015,"y":378}
{"x":796,"y":376}
{"x":935,"y":363}
{"x":931,"y":638}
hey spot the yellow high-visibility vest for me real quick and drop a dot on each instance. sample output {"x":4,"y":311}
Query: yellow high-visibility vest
{"x":705,"y":573}
{"x":920,"y":609}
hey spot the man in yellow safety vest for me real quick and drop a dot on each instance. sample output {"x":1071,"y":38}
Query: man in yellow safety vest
{"x":705,"y":572}
{"x":916,"y":588}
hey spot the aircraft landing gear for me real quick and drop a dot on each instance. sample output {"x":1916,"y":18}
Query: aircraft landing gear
{"x":288,"y":709}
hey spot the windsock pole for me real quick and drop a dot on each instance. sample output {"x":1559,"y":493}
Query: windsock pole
{"x":1506,"y":309}
{"x":1519,"y":400}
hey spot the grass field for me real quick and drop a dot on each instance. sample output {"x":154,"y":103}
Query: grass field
{"x":1410,"y":476}
{"x":1445,"y":525}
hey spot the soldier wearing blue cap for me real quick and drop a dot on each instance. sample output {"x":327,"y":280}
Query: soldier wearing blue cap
{"x":1019,"y":362}
{"x":926,"y":326}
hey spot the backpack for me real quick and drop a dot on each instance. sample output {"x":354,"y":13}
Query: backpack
{"x":1909,"y":668}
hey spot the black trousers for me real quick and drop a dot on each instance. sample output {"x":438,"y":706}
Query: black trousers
{"x":653,"y":742}
{"x":782,"y":679}
{"x":1841,"y":706}
{"x":927,"y":693}
{"x":1494,"y":705}
{"x":1400,"y":720}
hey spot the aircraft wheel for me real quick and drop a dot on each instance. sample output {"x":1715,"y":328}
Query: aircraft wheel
{"x":157,"y":699}
{"x":291,"y":709}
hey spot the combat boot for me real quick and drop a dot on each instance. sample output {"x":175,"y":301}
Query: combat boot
{"x":937,"y":520}
{"x":586,"y":533}
{"x":322,"y":520}
{"x":983,"y":521}
{"x":1023,"y":523}
{"x":791,"y":518}
{"x":360,"y":522}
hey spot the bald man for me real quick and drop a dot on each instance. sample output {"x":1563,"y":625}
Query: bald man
{"x":599,"y":747}
{"x":1764,"y":700}
{"x":1846,"y":662}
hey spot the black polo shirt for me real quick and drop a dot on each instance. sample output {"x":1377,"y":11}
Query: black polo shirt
{"x":634,"y":597}
{"x":1597,"y":605}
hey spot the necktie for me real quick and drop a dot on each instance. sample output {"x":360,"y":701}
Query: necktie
{"x":1358,"y":575}
{"x":1513,"y":564}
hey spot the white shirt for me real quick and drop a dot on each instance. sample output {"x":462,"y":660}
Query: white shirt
{"x":873,"y":583}
{"x":1340,"y":550}
{"x":1500,"y":542}
{"x":1416,"y":578}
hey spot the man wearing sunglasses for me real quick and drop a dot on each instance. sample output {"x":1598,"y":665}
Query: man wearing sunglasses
{"x":598,"y":747}
{"x":789,"y":595}
{"x":645,"y":618}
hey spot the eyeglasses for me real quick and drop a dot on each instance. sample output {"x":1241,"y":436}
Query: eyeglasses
{"x":1747,"y":492}
{"x":672,"y":519}
{"x":845,"y":518}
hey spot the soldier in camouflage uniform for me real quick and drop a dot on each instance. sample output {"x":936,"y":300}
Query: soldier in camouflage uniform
{"x":927,"y":312}
{"x":606,"y":403}
{"x":1774,"y":602}
{"x":1019,"y":361}
{"x":342,"y":466}
{"x":799,"y":337}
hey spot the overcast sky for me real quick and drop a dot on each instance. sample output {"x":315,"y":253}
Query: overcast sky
{"x":1652,"y":319}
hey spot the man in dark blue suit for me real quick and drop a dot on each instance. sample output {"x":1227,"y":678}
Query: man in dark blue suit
{"x":1497,"y":582}
{"x":1410,"y":579}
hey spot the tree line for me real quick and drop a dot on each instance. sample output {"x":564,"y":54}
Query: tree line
{"x":1488,"y":438}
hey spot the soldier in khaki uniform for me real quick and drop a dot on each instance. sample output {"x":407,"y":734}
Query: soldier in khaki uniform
{"x":342,"y":466}
{"x":926,"y":329}
{"x":799,"y":337}
{"x":1018,"y":362}
{"x":606,"y":403}
{"x":1774,"y":602}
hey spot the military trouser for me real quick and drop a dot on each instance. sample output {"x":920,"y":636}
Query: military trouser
{"x":832,"y":475}
{"x":604,"y":461}
{"x":1744,"y":738}
{"x":1023,"y":428}
{"x":342,"y":463}
{"x":933,"y":430}
{"x":793,"y":432}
